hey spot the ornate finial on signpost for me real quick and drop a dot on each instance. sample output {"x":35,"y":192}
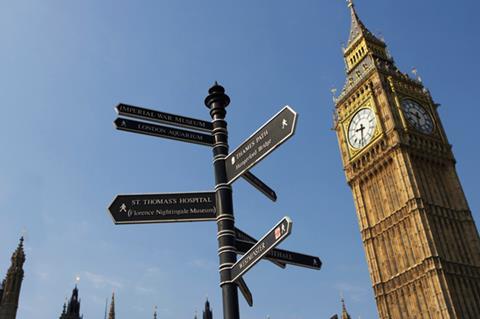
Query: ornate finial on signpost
{"x":216,"y":94}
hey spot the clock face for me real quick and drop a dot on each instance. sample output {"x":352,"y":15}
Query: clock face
{"x":417,"y":116}
{"x":361,"y":128}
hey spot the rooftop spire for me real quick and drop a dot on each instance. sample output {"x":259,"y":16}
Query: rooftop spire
{"x":18,"y":257}
{"x":345,"y":314}
{"x":72,"y":310}
{"x":207,"y":313}
{"x":111,"y":314}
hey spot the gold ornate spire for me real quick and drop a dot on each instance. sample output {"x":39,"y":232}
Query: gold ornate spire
{"x":357,"y":27}
{"x":359,"y":30}
{"x":362,"y":54}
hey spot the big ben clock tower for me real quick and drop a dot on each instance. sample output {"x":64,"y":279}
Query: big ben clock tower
{"x":421,"y":243}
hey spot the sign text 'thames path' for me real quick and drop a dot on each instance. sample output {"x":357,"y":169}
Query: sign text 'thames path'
{"x":261,"y":143}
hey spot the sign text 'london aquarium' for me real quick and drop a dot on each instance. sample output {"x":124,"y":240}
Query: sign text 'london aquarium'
{"x":163,"y":131}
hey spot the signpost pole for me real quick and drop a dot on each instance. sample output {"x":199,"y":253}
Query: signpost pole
{"x":217,"y":101}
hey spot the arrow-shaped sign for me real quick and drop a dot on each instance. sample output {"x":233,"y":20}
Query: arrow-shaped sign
{"x":162,"y":117}
{"x":163,"y":208}
{"x":282,"y":257}
{"x":261,"y":186}
{"x":242,"y":237}
{"x":245,"y":291}
{"x":274,"y":237}
{"x":271,"y":135}
{"x":163,"y":131}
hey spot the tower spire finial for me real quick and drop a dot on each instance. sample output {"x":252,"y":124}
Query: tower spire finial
{"x":18,"y":256}
{"x":357,"y":27}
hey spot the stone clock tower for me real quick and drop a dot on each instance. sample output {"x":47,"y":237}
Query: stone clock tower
{"x":421,"y":243}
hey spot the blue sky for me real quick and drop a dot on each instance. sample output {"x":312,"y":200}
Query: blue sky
{"x":64,"y":65}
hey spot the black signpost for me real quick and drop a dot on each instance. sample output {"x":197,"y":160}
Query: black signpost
{"x":218,"y":205}
{"x":217,"y":101}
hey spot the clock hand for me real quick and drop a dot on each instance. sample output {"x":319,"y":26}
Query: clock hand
{"x":361,"y":128}
{"x":417,"y":115}
{"x":361,"y":133}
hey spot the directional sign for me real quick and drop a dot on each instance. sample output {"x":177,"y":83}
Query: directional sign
{"x":163,"y":131}
{"x":242,"y":237}
{"x":261,"y":186}
{"x":163,"y":208}
{"x":245,"y":291}
{"x":162,"y":117}
{"x":274,"y":237}
{"x":261,"y":143}
{"x":282,"y":256}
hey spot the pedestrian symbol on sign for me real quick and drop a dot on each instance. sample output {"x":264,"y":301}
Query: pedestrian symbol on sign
{"x":277,"y":233}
